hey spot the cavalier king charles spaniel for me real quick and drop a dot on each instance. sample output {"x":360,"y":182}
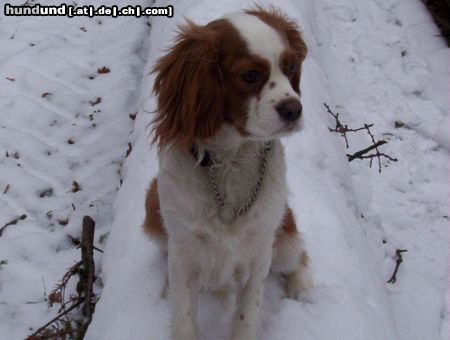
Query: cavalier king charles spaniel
{"x":226,"y":93}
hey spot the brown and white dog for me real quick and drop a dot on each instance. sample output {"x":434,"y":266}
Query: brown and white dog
{"x":218,"y":206}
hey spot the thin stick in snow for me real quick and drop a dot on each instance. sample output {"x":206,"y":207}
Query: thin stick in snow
{"x":398,"y":252}
{"x":12,"y":222}
{"x":87,"y":274}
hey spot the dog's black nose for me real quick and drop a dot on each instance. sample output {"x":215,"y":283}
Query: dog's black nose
{"x":289,"y":110}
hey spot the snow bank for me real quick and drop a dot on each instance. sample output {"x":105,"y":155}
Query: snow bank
{"x":52,"y":135}
{"x":349,"y":300}
{"x":388,"y":65}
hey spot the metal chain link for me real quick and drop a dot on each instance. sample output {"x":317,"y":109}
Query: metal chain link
{"x":253,"y":195}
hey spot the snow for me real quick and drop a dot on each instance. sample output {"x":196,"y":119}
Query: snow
{"x":374,"y":61}
{"x":47,"y":103}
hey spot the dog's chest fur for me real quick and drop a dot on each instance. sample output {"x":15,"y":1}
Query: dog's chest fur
{"x":221,"y":255}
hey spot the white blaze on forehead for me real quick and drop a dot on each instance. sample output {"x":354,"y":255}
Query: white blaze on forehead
{"x":261,"y":39}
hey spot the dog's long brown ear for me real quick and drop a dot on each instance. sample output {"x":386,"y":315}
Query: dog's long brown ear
{"x":189,"y":89}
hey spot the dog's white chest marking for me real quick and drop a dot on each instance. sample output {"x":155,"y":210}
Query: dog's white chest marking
{"x":223,"y":254}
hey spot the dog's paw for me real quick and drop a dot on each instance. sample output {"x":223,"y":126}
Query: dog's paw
{"x":297,"y":283}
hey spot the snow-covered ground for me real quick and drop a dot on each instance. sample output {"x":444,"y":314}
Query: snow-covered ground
{"x":374,"y":61}
{"x":55,"y":130}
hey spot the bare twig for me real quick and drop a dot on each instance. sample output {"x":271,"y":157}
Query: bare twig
{"x":343,"y":129}
{"x":35,"y":335}
{"x":398,"y":252}
{"x":378,"y":154}
{"x":58,"y":293}
{"x":98,"y":249}
{"x":12,"y":222}
{"x":359,"y":154}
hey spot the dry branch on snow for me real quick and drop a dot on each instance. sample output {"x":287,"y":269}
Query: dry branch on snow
{"x":67,"y":325}
{"x":343,"y":129}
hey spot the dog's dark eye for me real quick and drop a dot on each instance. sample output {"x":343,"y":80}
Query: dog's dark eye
{"x":251,"y":77}
{"x":291,"y":69}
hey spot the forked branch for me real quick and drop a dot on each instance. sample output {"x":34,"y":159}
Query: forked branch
{"x":343,"y":129}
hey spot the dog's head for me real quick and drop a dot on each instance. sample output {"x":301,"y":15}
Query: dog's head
{"x":243,"y":69}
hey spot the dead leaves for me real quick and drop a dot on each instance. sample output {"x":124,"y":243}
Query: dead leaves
{"x":103,"y":70}
{"x":97,"y":101}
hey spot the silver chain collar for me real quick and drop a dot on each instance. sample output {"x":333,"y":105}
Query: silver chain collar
{"x":227,"y":214}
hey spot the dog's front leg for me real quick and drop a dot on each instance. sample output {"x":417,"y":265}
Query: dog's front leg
{"x":183,"y":298}
{"x":248,"y":303}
